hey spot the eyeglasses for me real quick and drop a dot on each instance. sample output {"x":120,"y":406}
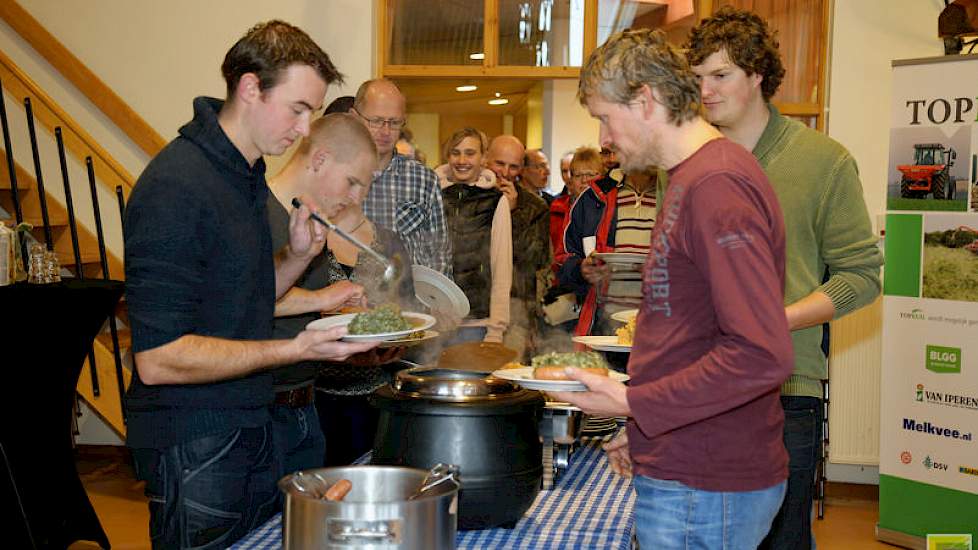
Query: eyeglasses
{"x":583,"y":175}
{"x":377,"y":123}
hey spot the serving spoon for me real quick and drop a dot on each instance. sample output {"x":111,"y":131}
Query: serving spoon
{"x":389,"y":270}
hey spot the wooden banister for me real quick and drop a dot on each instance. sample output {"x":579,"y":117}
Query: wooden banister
{"x":55,"y":53}
{"x":77,"y":141}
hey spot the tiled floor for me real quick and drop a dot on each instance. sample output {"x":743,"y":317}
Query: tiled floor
{"x":849,"y":522}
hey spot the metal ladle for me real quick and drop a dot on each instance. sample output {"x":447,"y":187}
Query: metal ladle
{"x":389,"y":270}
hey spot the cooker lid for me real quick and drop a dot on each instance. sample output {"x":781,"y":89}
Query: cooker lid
{"x":450,"y":385}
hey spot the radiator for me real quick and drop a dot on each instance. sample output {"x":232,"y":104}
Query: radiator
{"x":854,"y":387}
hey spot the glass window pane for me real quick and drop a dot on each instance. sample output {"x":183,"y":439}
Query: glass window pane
{"x":799,"y":25}
{"x":675,"y":17}
{"x":435,"y":32}
{"x":541,"y":33}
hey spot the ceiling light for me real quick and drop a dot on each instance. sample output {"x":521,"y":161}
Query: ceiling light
{"x":477,"y":56}
{"x":466,"y":88}
{"x":498,"y":100}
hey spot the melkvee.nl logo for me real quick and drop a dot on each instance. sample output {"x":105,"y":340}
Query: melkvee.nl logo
{"x":923,"y":395}
{"x":937,"y":430}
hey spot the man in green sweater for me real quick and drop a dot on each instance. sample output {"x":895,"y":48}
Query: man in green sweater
{"x":833,"y":262}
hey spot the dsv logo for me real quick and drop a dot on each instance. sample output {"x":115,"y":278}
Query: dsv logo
{"x":933,"y":465}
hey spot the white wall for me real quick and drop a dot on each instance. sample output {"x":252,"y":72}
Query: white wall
{"x":158,"y":56}
{"x":424,"y":126}
{"x":866,"y":36}
{"x":566,"y":126}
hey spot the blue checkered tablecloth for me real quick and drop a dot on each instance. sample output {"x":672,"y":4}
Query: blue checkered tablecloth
{"x":589,"y":507}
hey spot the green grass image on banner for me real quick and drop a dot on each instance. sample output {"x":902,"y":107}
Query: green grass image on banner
{"x":930,"y":205}
{"x":904,"y":238}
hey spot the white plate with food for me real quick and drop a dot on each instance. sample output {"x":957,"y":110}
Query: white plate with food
{"x":603,"y":343}
{"x":624,"y":315}
{"x":622,"y":258}
{"x":412,"y":339}
{"x":438,"y":292}
{"x":360,"y":329}
{"x":524,"y":377}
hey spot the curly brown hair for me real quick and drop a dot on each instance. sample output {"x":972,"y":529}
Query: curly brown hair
{"x":268,"y":49}
{"x":749,"y":42}
{"x":633,"y":58}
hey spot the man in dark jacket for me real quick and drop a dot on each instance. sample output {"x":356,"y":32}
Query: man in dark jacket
{"x":201,"y":284}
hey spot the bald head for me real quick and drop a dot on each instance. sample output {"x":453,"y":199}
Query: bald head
{"x":381,"y":107}
{"x":342,"y":135}
{"x":333,"y":165}
{"x":505,"y":157}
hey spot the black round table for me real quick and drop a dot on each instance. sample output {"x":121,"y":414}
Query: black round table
{"x":46,"y":332}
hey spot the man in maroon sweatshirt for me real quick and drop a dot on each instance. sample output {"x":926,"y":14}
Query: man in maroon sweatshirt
{"x":712,"y":346}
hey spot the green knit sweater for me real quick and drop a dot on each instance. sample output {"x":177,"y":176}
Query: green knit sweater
{"x":827,"y":226}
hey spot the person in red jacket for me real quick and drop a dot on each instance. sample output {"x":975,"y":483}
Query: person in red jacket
{"x":711,"y":346}
{"x":585,"y":166}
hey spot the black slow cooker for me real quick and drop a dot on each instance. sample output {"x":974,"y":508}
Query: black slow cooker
{"x":488,"y":427}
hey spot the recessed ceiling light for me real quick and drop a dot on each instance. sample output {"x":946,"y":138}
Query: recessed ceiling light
{"x":477,"y":56}
{"x":498,"y":101}
{"x":466,"y":88}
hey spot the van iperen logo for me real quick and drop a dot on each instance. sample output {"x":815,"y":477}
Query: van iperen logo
{"x":922,"y":395}
{"x":968,"y":470}
{"x":939,"y":110}
{"x":915,"y":314}
{"x":927,"y":427}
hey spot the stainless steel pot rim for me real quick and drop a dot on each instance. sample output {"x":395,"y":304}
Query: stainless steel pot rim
{"x":450,"y":385}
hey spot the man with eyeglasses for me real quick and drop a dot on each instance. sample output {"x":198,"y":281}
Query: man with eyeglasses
{"x":536,"y":173}
{"x":404,"y":196}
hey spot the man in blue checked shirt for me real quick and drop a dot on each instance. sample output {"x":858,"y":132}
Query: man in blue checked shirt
{"x":405,"y":196}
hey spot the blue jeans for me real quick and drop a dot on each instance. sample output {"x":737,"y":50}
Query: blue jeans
{"x":673,"y":516}
{"x":209,"y":492}
{"x":299,"y":441}
{"x":792,"y":527}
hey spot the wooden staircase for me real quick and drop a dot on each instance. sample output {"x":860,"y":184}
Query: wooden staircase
{"x":107,"y":404}
{"x":110,"y":175}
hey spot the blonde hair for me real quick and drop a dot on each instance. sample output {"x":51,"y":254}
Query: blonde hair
{"x":634,"y":58}
{"x":588,"y":156}
{"x":463,"y":133}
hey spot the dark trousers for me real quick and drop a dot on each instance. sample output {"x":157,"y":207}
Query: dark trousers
{"x":299,"y":441}
{"x":211,"y":491}
{"x":349,"y":424}
{"x":792,"y":527}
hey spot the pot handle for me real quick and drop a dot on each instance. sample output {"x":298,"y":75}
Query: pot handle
{"x":360,"y":532}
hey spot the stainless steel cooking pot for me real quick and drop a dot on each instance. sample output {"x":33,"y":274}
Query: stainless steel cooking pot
{"x":376,"y":514}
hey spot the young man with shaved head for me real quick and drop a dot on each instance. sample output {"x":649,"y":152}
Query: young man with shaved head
{"x":735,"y":56}
{"x":333,"y":165}
{"x":405,"y":196}
{"x":531,"y":229}
{"x":201,"y":285}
